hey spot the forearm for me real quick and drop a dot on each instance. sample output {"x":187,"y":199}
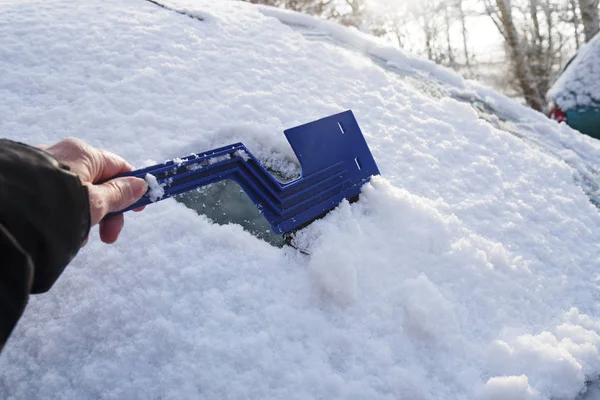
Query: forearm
{"x":44,"y":218}
{"x":15,"y":282}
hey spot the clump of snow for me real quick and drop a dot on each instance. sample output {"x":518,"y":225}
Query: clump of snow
{"x":467,"y":269}
{"x":196,"y":166}
{"x":178,"y":161}
{"x":508,"y":387}
{"x":155,"y":190}
{"x":579,"y":84}
{"x":562,"y":374}
{"x":214,"y":160}
{"x":209,"y":161}
{"x":242,"y":154}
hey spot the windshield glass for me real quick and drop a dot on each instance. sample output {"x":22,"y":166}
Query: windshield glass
{"x":226,"y":203}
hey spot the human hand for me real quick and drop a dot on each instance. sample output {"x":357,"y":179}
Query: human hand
{"x":94,"y":167}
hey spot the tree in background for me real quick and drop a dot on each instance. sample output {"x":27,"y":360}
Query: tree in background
{"x":589,"y":17}
{"x":572,"y":16}
{"x":534,"y":46}
{"x":520,"y":51}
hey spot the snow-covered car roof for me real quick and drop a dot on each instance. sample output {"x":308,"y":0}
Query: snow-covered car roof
{"x":579,"y":83}
{"x":467,"y":270}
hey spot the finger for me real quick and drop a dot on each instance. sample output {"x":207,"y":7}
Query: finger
{"x":114,"y":195}
{"x":142,"y":208}
{"x":107,"y":165}
{"x":110,"y":228}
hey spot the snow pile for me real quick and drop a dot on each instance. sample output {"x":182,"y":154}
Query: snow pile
{"x":468,"y":270}
{"x":579,"y":85}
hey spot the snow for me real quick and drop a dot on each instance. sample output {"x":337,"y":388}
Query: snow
{"x":242,"y":154}
{"x":507,"y":387}
{"x":215,"y":160}
{"x":579,"y":84}
{"x":469,"y":269}
{"x":155,"y":190}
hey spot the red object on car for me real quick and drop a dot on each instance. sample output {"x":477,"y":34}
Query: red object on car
{"x":557,"y":114}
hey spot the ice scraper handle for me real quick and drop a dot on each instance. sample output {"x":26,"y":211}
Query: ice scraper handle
{"x":182,"y":175}
{"x":335,"y":160}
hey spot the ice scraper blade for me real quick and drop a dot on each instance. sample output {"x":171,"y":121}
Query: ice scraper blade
{"x":333,"y":154}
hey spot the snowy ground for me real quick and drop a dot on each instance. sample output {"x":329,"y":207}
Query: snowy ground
{"x":469,"y":270}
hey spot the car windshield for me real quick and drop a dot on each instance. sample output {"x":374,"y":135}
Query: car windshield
{"x":468,"y":268}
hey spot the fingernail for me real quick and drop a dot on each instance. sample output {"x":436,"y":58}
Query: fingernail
{"x":138,"y":186}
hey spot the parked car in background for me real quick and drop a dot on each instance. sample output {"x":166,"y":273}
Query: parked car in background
{"x":575,"y":96}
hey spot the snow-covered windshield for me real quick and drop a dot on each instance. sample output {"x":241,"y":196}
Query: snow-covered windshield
{"x":435,"y":85}
{"x":579,"y":84}
{"x":467,"y":270}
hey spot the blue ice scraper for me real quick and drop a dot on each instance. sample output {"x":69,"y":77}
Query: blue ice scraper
{"x":335,"y":160}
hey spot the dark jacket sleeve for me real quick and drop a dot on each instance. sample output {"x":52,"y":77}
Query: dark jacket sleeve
{"x":44,"y":219}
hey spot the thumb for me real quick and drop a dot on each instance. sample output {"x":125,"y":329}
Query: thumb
{"x":114,"y":195}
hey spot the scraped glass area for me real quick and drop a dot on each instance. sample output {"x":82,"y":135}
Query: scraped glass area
{"x":226,"y":203}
